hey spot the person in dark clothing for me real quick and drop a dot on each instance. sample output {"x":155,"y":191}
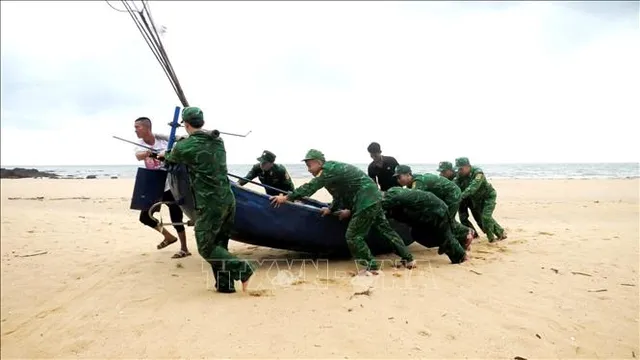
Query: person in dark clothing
{"x":382,"y":168}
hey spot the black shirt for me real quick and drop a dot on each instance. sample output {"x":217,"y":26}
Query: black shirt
{"x":383,"y":176}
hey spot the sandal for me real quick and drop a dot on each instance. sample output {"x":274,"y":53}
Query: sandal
{"x":181,"y":254}
{"x":166,"y":242}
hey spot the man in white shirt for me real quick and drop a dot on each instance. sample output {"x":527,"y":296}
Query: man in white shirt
{"x":147,"y":138}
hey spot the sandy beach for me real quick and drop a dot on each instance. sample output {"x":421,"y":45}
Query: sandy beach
{"x":81,"y":277}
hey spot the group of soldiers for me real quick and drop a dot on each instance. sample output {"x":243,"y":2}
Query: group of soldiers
{"x":428,"y":203}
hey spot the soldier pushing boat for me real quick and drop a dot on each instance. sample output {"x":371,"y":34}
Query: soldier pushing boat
{"x":269,"y":173}
{"x":205,"y":156}
{"x":355,"y":197}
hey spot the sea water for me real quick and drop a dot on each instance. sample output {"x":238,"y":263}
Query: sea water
{"x":299,"y":170}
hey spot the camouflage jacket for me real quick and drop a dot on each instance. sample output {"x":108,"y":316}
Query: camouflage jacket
{"x":416,"y":206}
{"x":450,"y":178}
{"x":277,"y":177}
{"x":206,"y":159}
{"x":349,"y":186}
{"x":475,"y":186}
{"x":440,"y":186}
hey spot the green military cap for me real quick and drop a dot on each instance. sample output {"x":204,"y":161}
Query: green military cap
{"x":267,"y":157}
{"x":445,"y":165}
{"x":462,"y":161}
{"x":402,"y":170}
{"x":192,"y":115}
{"x":314,"y":154}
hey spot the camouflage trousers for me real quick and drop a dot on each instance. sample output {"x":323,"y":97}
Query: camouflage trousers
{"x":212,"y":230}
{"x":459,"y":230}
{"x":359,"y":227}
{"x":438,"y":232}
{"x":463,"y":213}
{"x":485,"y":208}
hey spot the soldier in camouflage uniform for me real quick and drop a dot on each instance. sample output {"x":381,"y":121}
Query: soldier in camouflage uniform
{"x":429,"y":219}
{"x":482,"y":196}
{"x":206,"y":159}
{"x":356,"y":196}
{"x":269,"y":173}
{"x":446,"y":170}
{"x":444,"y":189}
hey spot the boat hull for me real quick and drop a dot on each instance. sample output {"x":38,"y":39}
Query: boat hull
{"x":292,"y":226}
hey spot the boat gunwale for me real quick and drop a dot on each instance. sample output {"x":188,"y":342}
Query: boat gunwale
{"x":301,"y":205}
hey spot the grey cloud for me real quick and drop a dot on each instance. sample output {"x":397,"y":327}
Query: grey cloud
{"x":579,"y":23}
{"x":622,"y":11}
{"x":569,"y":24}
{"x":300,"y":68}
{"x":78,"y":87}
{"x":75,"y":67}
{"x":608,"y":10}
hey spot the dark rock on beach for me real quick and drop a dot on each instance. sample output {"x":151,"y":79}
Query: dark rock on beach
{"x":21,"y":173}
{"x":91,"y":177}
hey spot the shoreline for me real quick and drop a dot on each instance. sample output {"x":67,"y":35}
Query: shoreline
{"x":493,"y":172}
{"x":100,"y":185}
{"x":110,"y":177}
{"x":637,"y":163}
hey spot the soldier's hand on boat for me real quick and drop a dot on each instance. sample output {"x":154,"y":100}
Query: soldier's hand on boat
{"x":278,"y":200}
{"x":325,"y":211}
{"x":344,"y":214}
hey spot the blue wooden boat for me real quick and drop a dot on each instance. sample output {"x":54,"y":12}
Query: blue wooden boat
{"x":293,"y":226}
{"x":296,"y":226}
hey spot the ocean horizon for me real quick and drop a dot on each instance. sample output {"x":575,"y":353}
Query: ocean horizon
{"x":299,"y":170}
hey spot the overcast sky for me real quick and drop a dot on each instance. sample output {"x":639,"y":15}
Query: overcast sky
{"x":431,"y":81}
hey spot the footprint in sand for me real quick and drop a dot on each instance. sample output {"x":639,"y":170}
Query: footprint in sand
{"x":514,"y":242}
{"x":327,"y":280}
{"x":364,"y":282}
{"x":9,"y":332}
{"x":483,"y":252}
{"x":43,"y":314}
{"x":260,"y":293}
{"x":298,"y":282}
